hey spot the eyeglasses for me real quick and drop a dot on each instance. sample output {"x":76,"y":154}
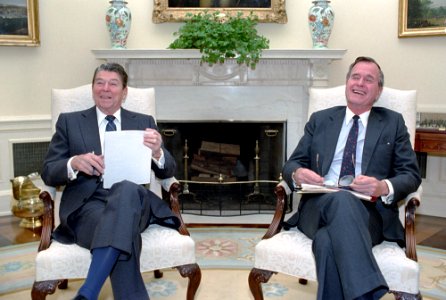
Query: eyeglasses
{"x":343,"y":182}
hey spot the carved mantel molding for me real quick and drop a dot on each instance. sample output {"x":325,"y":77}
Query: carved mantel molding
{"x":296,"y":67}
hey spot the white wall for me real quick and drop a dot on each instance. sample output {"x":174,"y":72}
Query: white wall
{"x":69,"y":30}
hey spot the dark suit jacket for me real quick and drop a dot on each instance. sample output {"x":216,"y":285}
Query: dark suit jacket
{"x":387,"y":154}
{"x":78,"y":133}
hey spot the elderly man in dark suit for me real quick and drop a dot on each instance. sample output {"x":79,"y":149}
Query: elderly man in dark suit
{"x":106,"y":221}
{"x":379,"y":156}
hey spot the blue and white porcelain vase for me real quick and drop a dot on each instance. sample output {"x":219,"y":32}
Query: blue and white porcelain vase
{"x":320,"y":20}
{"x":119,"y":21}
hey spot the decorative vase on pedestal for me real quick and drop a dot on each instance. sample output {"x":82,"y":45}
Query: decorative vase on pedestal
{"x":320,"y":20}
{"x":119,"y":20}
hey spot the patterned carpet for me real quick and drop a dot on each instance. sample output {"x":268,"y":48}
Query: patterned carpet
{"x":225,"y":255}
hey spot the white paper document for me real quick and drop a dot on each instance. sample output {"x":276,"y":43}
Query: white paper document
{"x":321,"y":189}
{"x":126,"y":157}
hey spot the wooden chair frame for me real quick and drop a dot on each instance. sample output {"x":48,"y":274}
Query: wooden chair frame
{"x":41,"y":289}
{"x":259,"y":276}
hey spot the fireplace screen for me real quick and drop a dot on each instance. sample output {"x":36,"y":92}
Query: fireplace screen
{"x":226,"y":168}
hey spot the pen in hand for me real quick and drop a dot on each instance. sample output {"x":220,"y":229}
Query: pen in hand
{"x":93,"y":168}
{"x":97,"y":165}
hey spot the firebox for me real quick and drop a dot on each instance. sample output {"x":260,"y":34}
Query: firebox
{"x":226,"y":168}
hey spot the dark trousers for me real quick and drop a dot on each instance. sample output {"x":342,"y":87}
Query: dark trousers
{"x":343,"y":230}
{"x":115,"y":218}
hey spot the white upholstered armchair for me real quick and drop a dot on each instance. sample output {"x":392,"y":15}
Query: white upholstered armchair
{"x":161,"y":247}
{"x":289,"y":252}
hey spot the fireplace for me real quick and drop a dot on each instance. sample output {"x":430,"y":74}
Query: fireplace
{"x":230,"y":149}
{"x":226,"y":168}
{"x":192,"y":95}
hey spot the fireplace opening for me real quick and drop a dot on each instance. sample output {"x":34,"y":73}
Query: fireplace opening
{"x":226,"y":168}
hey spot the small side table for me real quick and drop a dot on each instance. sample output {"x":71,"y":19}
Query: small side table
{"x":429,"y":141}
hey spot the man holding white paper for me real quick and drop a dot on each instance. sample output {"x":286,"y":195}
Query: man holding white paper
{"x":108,"y":221}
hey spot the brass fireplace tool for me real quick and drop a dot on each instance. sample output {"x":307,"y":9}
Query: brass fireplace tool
{"x":186,"y":158}
{"x":186,"y":175}
{"x":26,"y":203}
{"x":256,"y":195}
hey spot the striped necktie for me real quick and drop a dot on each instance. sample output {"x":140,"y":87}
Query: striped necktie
{"x":111,"y":126}
{"x":348,"y":159}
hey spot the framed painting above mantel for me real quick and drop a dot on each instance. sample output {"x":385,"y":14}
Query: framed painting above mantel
{"x":268,"y":11}
{"x":19,"y":23}
{"x":421,"y":18}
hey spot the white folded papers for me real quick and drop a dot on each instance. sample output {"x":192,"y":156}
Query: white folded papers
{"x":126,"y":157}
{"x":321,"y":189}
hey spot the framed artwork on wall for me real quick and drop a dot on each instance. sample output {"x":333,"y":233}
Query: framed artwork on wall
{"x":421,"y":18}
{"x":19,"y":23}
{"x":268,"y":11}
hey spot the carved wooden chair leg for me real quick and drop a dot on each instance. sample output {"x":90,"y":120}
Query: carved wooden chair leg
{"x":42,"y":288}
{"x":158,"y":274}
{"x":255,"y":280}
{"x":63,"y":285}
{"x":193,"y":272}
{"x":406,"y":296}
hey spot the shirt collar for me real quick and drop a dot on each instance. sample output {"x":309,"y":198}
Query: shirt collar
{"x":364,"y":117}
{"x":101,"y":116}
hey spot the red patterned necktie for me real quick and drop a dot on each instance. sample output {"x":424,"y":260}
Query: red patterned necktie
{"x":348,"y":159}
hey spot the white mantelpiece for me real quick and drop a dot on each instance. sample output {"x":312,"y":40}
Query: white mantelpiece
{"x":318,"y":62}
{"x":276,"y":90}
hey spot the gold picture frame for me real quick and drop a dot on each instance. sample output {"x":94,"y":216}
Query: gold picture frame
{"x":413,"y":20}
{"x":24,"y":31}
{"x":275,"y":13}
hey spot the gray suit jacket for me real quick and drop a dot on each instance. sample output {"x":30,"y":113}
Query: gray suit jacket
{"x":387,"y":154}
{"x":78,"y":133}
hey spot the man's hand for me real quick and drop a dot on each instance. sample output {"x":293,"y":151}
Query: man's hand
{"x":153,"y":140}
{"x":89,"y":163}
{"x":370,"y":186}
{"x":304,"y":175}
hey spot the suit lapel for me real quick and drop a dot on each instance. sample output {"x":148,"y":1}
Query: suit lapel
{"x":375,"y":126}
{"x":128,"y":120}
{"x":91,"y":137}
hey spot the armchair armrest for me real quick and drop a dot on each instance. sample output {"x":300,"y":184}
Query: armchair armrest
{"x":51,"y":190}
{"x":167,"y":183}
{"x":281,"y":190}
{"x":412,"y":201}
{"x":47,"y":220}
{"x":174,"y":188}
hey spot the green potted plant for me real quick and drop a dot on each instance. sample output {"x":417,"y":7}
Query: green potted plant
{"x":219,"y":37}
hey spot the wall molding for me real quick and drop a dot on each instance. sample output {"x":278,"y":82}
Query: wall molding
{"x":426,"y":108}
{"x":17,"y":129}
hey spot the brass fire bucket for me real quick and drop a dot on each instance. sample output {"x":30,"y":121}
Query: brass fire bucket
{"x":26,"y":203}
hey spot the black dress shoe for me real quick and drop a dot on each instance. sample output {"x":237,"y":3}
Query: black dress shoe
{"x":79,"y":297}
